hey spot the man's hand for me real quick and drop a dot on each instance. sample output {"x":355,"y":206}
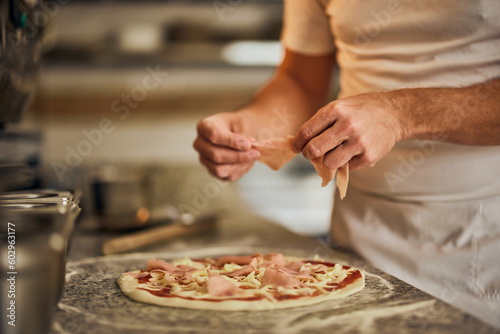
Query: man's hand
{"x":359,"y":129}
{"x":224,"y":147}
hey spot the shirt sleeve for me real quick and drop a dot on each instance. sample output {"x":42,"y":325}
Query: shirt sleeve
{"x":306,"y":28}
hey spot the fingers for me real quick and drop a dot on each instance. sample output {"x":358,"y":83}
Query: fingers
{"x":361,"y":160}
{"x":353,"y":152}
{"x":326,"y":135}
{"x":223,"y":155}
{"x":321,"y":121}
{"x":339,"y":156}
{"x":217,"y":132}
{"x":323,"y":143}
{"x":227,"y":155}
{"x":227,"y":172}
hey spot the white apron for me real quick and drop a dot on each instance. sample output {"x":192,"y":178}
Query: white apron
{"x":447,"y":246}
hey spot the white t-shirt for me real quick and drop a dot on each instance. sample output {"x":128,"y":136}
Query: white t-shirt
{"x":428,"y":212}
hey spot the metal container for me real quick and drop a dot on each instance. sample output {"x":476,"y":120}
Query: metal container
{"x":34,"y":241}
{"x":37,"y":196}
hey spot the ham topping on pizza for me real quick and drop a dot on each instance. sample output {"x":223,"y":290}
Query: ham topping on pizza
{"x":218,"y":286}
{"x":252,"y":266}
{"x":299,"y":274}
{"x":269,"y":276}
{"x":294,"y":265}
{"x":275,"y":258}
{"x":241,"y":259}
{"x":279,"y":278}
{"x":160,"y":264}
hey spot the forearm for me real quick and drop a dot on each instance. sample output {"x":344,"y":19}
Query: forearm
{"x":298,"y":89}
{"x":279,"y":108}
{"x":469,"y":115}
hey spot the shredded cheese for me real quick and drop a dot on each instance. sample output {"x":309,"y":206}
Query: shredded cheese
{"x":251,"y":284}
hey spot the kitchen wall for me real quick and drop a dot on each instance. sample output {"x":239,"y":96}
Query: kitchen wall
{"x":152,"y":68}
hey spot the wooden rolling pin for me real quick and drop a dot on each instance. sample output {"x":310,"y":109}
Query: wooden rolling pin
{"x":156,"y":234}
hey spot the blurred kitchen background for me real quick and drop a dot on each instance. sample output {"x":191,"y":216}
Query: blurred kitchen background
{"x":122,"y":84}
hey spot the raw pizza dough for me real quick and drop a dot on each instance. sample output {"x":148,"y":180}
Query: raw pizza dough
{"x":248,"y":282}
{"x":277,"y":152}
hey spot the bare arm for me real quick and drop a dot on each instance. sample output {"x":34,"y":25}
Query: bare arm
{"x":469,"y":115}
{"x":362,"y":129}
{"x":296,"y":91}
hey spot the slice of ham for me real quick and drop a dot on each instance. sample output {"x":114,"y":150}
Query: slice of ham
{"x":343,"y":179}
{"x":238,"y":259}
{"x":295,"y":265}
{"x":245,"y":270}
{"x":275,"y":258}
{"x":187,"y":268}
{"x":220,"y":287}
{"x":181,"y":272}
{"x":160,"y":264}
{"x":275,"y":152}
{"x":293,"y":269}
{"x":324,"y":172}
{"x":298,"y":274}
{"x":241,"y":272}
{"x":327,"y":175}
{"x":278,"y":278}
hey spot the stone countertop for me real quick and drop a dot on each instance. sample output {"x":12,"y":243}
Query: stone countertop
{"x":93,"y":303}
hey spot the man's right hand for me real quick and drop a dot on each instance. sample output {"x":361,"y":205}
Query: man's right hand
{"x":225,"y":146}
